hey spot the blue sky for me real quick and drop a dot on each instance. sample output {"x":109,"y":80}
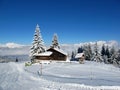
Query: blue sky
{"x":74,"y":21}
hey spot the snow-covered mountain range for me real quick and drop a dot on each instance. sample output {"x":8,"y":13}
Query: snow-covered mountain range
{"x":11,"y":51}
{"x":14,"y":49}
{"x":18,"y":49}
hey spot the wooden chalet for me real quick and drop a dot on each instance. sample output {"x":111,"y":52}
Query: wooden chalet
{"x":80,"y":57}
{"x":52,"y":54}
{"x":58,"y":54}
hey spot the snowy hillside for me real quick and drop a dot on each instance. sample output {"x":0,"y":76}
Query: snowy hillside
{"x":59,"y":76}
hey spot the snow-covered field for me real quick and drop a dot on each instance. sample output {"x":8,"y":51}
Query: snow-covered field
{"x":59,"y":76}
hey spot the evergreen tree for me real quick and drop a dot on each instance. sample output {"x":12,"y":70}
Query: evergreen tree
{"x":107,"y":53}
{"x":96,"y":56}
{"x":73,"y":55}
{"x":112,"y":51}
{"x":55,"y":43}
{"x":119,"y":51}
{"x":80,"y":50}
{"x":116,"y":60}
{"x":85,"y":50}
{"x":16,"y":60}
{"x":112,"y":54}
{"x":38,"y":44}
{"x":96,"y":49}
{"x":103,"y":52}
{"x":89,"y":52}
{"x":118,"y":55}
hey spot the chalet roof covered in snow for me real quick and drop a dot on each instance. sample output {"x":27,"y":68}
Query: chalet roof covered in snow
{"x":60,"y":50}
{"x":79,"y":55}
{"x":48,"y":53}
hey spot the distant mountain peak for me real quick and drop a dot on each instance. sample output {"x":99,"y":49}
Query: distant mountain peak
{"x":11,"y":45}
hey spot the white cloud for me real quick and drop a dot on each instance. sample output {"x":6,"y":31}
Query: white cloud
{"x":11,"y":45}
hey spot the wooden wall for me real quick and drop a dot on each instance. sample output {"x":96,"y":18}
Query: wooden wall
{"x":57,"y":55}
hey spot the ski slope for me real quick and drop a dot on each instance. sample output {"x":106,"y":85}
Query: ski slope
{"x":59,"y":76}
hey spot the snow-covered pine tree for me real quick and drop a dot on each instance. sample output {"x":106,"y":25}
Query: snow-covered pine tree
{"x":112,"y":51}
{"x":38,"y":44}
{"x":118,"y":57}
{"x":85,"y":50}
{"x":55,"y":43}
{"x":107,"y":53}
{"x":112,"y":54}
{"x":72,"y":56}
{"x":116,"y":60}
{"x":89,"y":51}
{"x":96,"y":57}
{"x":103,"y":50}
{"x":96,"y":49}
{"x":80,"y":50}
{"x":103,"y":54}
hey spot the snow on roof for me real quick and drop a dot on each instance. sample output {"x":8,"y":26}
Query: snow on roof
{"x":60,"y":50}
{"x":48,"y":53}
{"x":79,"y":55}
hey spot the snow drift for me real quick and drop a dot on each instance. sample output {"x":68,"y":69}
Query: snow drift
{"x":59,"y":76}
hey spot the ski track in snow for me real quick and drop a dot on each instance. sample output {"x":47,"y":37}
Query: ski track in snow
{"x":59,"y":76}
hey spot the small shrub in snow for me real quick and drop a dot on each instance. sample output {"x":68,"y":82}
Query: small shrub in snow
{"x":28,"y":64}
